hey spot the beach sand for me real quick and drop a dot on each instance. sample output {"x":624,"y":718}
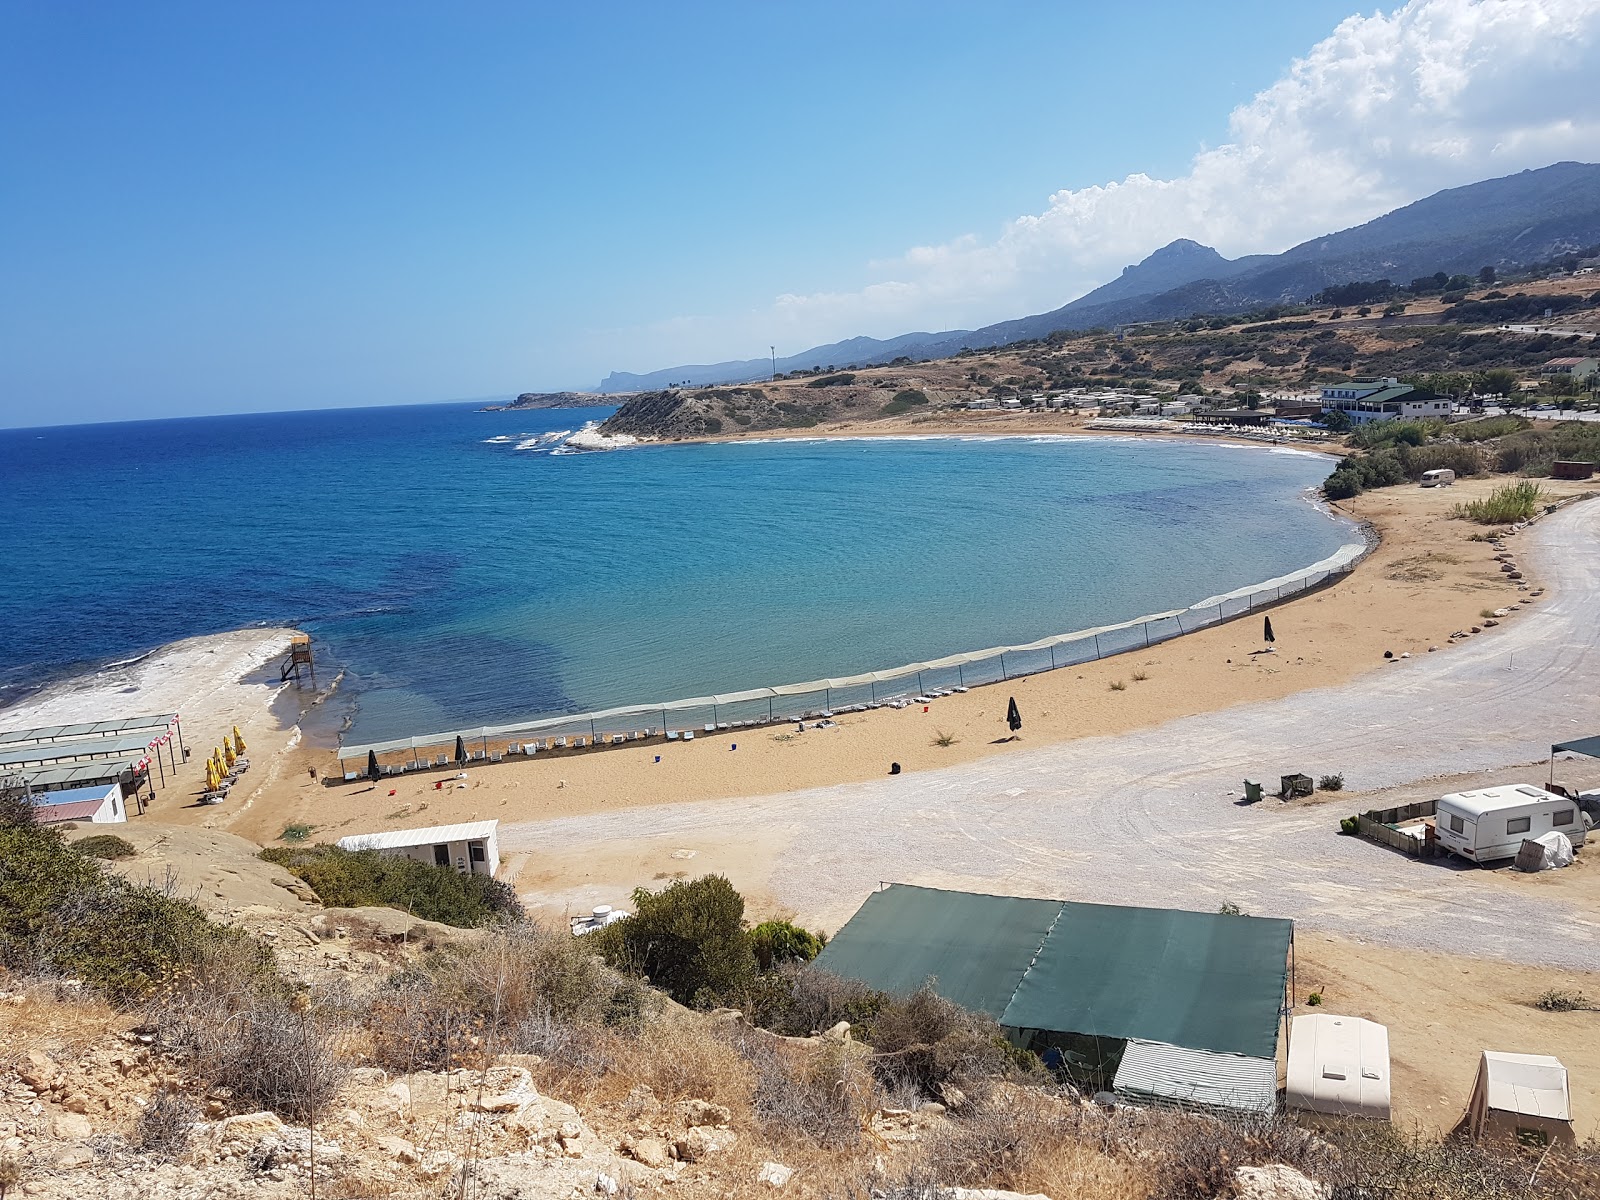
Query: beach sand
{"x":1425,"y":580}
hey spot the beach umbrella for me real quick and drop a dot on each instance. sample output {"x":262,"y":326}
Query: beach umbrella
{"x":238,"y":740}
{"x":1267,"y":632}
{"x":461,"y":751}
{"x":211,"y":776}
{"x":1013,"y":716}
{"x":372,"y":765}
{"x":228,"y":755}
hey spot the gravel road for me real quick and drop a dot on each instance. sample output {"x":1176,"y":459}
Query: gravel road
{"x":1149,"y":817}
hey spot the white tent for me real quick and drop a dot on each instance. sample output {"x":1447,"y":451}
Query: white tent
{"x":1523,"y":1096}
{"x":1338,"y":1066}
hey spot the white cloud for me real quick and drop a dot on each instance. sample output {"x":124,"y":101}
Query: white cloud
{"x":1388,"y":109}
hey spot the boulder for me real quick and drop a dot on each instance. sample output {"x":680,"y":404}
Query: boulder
{"x":37,"y":1070}
{"x":398,"y":1149}
{"x":1277,"y":1182}
{"x":701,"y":1112}
{"x":72,"y":1126}
{"x":774,"y":1175}
{"x":650,"y":1151}
{"x":701,"y":1143}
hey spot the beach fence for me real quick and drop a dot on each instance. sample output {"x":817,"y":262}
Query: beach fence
{"x":821,"y":698}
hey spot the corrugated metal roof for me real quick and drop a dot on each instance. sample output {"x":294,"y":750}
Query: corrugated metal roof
{"x":1534,"y":1085}
{"x":75,"y":810}
{"x":1161,"y":1073}
{"x":431,"y":836}
{"x":80,"y":774}
{"x":43,"y":753}
{"x":51,"y":733}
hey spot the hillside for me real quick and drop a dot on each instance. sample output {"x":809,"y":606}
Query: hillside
{"x":1505,"y":223}
{"x":1225,"y":355}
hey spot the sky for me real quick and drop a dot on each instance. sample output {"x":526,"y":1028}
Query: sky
{"x":261,"y":206}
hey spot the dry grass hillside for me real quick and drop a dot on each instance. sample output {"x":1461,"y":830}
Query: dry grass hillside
{"x":359,"y":1053}
{"x":1294,"y":353}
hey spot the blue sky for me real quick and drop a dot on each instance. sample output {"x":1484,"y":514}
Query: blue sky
{"x":211,"y":208}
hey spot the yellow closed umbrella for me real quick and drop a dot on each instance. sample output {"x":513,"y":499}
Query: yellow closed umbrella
{"x":238,"y":740}
{"x":216,"y":761}
{"x":211,"y":776}
{"x":227,"y":752}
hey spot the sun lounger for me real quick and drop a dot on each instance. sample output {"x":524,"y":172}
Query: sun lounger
{"x":442,"y":761}
{"x":688,"y":735}
{"x":529,"y":749}
{"x":351,"y":776}
{"x":710,"y":728}
{"x":514,"y":748}
{"x":495,"y":756}
{"x":672,"y":735}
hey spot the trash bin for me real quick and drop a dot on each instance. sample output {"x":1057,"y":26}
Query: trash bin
{"x":1252,"y":792}
{"x":1296,"y":785}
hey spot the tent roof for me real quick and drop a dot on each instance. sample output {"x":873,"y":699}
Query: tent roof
{"x":1205,"y":980}
{"x":1534,"y":1085}
{"x":53,"y":733}
{"x":82,"y":774}
{"x":42,"y":753}
{"x":1201,"y":980}
{"x":1583,"y":745}
{"x":1338,"y":1065}
{"x":975,"y":947}
{"x":1157,"y":1073}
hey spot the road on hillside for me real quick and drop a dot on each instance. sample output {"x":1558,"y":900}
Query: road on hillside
{"x":1151,"y":818}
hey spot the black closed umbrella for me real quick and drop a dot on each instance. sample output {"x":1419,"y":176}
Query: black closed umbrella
{"x":1267,"y":632}
{"x":1013,"y":716}
{"x":461,"y":751}
{"x":372,"y":765}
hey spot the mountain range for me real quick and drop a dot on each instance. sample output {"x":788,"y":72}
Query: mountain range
{"x":1504,"y":223}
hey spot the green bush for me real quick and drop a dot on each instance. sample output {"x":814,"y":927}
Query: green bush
{"x":904,"y":402}
{"x":105,"y":845}
{"x":1331,"y":783}
{"x":1503,"y":506}
{"x":1350,"y":825}
{"x":839,"y":380}
{"x":778,"y":942}
{"x":60,"y":912}
{"x":688,"y":940}
{"x":355,"y":878}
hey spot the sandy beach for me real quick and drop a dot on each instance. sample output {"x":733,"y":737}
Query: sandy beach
{"x":1425,"y":581}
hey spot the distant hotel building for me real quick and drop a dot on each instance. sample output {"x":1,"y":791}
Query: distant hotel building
{"x":1365,"y":400}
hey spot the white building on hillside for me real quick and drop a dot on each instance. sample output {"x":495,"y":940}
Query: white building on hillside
{"x":1366,"y":400}
{"x":470,"y":848}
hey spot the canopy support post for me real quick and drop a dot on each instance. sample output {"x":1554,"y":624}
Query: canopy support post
{"x":1097,"y":653}
{"x":1147,"y":635}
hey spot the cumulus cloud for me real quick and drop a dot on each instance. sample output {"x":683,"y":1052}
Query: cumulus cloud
{"x":1388,"y":109}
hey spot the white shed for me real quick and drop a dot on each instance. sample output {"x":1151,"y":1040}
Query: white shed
{"x":470,"y":848}
{"x":1524,"y":1096}
{"x":101,"y":804}
{"x":1338,"y":1066}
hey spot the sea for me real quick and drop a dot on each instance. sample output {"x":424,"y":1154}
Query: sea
{"x":458,"y":572}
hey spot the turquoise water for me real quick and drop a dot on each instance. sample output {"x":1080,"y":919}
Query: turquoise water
{"x":460,"y":581}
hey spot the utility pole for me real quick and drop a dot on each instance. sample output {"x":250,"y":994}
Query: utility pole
{"x":774,"y":350}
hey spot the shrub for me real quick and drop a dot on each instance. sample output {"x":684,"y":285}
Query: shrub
{"x":904,"y":402}
{"x":356,"y":878}
{"x":1118,"y":685}
{"x":1559,"y":1000}
{"x":297,"y":832}
{"x":825,"y":1097}
{"x":943,"y":739}
{"x":1503,"y":506}
{"x":778,"y":942}
{"x":1230,"y":909}
{"x":839,"y":380}
{"x":928,"y":1044}
{"x":105,"y":845}
{"x":166,"y":1123}
{"x":1314,"y":999}
{"x":1330,"y":783}
{"x":533,"y":989}
{"x":60,"y":912}
{"x":1350,"y":825}
{"x":688,"y":940}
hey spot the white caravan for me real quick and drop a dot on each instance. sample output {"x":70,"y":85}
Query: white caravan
{"x":1492,"y":823}
{"x":1439,"y":477}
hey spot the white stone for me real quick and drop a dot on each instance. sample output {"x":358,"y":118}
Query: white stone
{"x":774,"y":1175}
{"x":1277,"y":1182}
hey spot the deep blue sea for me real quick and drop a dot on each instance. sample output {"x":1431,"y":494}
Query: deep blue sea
{"x":460,"y":581}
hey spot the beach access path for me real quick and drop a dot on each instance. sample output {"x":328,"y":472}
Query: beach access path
{"x":1151,"y":817}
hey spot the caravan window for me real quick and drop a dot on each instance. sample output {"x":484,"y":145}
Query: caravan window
{"x":1561,"y":817}
{"x":1519,"y":824}
{"x":1457,"y":825}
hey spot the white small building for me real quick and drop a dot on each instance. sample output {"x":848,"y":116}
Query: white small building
{"x":1338,"y":1066}
{"x":471,"y":848}
{"x":101,"y":804}
{"x":1367,"y":400}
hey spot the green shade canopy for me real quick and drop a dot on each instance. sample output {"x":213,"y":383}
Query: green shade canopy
{"x":1206,"y":981}
{"x":975,"y":948}
{"x":1584,"y":745}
